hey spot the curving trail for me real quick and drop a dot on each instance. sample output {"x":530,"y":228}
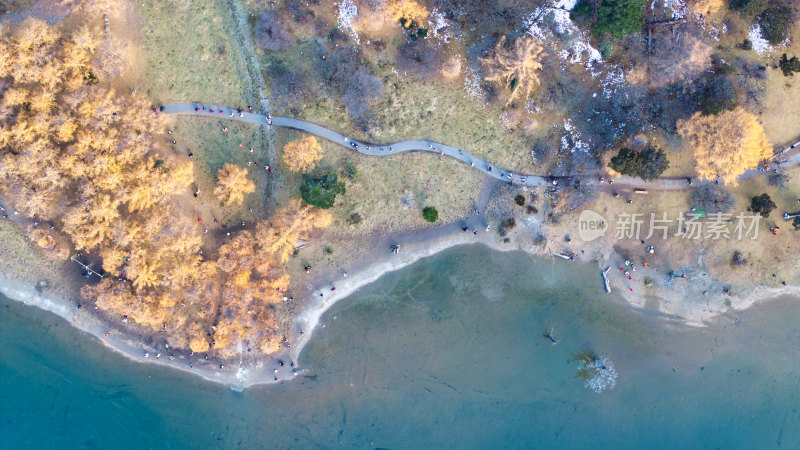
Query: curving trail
{"x":426,"y":145}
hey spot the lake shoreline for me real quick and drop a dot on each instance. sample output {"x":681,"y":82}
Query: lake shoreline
{"x":280,"y":367}
{"x":249,"y":371}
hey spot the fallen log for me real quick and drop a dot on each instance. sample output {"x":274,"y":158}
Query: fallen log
{"x":563,"y":255}
{"x":605,"y":279}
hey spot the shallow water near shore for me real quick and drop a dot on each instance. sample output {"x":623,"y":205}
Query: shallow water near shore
{"x":445,"y":353}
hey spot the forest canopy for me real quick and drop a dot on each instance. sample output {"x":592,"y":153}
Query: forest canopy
{"x":83,"y":160}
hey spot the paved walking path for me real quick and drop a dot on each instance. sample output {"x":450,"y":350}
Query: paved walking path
{"x":441,"y":150}
{"x":243,"y":39}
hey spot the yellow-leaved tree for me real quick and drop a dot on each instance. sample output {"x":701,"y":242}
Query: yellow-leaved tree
{"x":233,"y":184}
{"x":289,"y":225}
{"x":517,"y":68}
{"x":407,"y":11}
{"x":708,"y":8}
{"x":377,"y":16}
{"x":302,"y":155}
{"x":725,"y":145}
{"x":85,"y":161}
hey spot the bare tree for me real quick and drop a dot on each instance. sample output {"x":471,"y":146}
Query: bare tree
{"x":614,"y":117}
{"x":714,"y":198}
{"x":336,"y":35}
{"x":577,"y":195}
{"x":271,"y":34}
{"x":751,"y":79}
{"x":299,"y":11}
{"x":338,"y":67}
{"x":779,"y":181}
{"x":491,"y":17}
{"x":288,"y":86}
{"x":418,"y":59}
{"x":346,"y":74}
{"x":360,"y":90}
{"x":677,"y":56}
{"x":716,"y":94}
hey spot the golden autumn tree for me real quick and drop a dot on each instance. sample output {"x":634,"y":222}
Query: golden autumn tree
{"x":289,"y":225}
{"x":75,"y":153}
{"x":254,"y":279}
{"x":144,"y":273}
{"x":302,"y":155}
{"x":516,"y":68}
{"x":52,"y":243}
{"x":375,"y":16}
{"x":725,"y":145}
{"x":80,"y":157}
{"x":197,"y":338}
{"x":233,"y":184}
{"x":708,"y":8}
{"x":407,"y":11}
{"x":253,"y":282}
{"x":83,"y":160}
{"x":111,"y":296}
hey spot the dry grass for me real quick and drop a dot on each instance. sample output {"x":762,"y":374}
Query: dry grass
{"x":212,"y":148}
{"x":439,"y":110}
{"x":781,"y":116}
{"x":768,"y":254}
{"x":681,"y":163}
{"x":376,"y":191}
{"x":188,"y":52}
{"x":188,"y":55}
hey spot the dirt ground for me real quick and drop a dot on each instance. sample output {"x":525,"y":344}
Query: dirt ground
{"x":768,"y":254}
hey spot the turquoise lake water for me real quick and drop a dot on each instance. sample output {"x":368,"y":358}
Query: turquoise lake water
{"x":447,"y":353}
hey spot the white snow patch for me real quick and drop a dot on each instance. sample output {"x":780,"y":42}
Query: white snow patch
{"x":566,"y":4}
{"x":472,"y":86}
{"x":531,"y":107}
{"x":678,"y":7}
{"x":439,"y":27}
{"x":346,"y":12}
{"x":562,"y":32}
{"x":713,"y":33}
{"x":571,"y":140}
{"x":760,"y":45}
{"x":672,"y":9}
{"x":614,"y":79}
